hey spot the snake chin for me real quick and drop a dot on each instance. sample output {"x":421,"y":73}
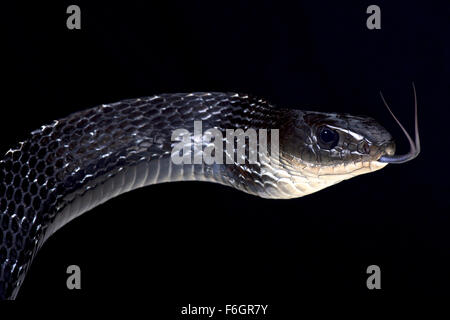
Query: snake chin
{"x":294,"y":181}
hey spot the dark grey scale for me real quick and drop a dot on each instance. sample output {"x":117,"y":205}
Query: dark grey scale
{"x":78,"y":162}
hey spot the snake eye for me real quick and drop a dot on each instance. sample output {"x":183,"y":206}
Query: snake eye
{"x":328,"y":138}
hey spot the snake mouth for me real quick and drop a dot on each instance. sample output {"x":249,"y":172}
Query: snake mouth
{"x":414,"y":146}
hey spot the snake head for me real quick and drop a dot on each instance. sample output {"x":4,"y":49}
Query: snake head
{"x":331,"y":140}
{"x":320,"y":149}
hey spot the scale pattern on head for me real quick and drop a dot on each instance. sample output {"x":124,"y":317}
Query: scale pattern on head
{"x":331,"y":139}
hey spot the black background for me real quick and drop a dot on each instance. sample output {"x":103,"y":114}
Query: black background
{"x":199,"y":243}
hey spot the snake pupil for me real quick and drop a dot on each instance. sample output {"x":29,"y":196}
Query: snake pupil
{"x":328,"y":137}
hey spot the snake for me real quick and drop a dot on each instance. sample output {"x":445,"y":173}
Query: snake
{"x":73,"y":164}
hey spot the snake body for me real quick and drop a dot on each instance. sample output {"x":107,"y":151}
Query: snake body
{"x":74,"y":164}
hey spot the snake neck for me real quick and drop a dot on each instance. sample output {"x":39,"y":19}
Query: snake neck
{"x":74,"y":164}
